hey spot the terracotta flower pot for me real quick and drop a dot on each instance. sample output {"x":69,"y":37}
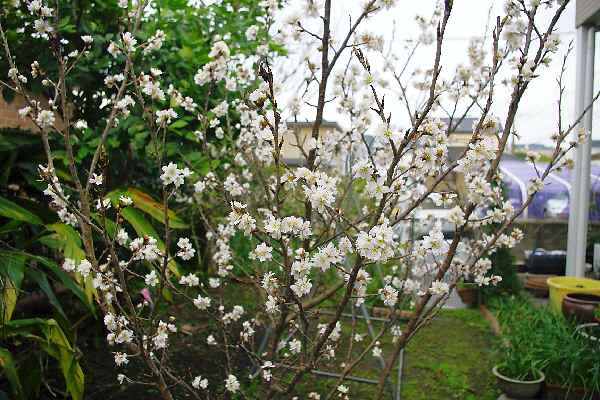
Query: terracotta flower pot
{"x":536,"y":284}
{"x":515,"y":389}
{"x":468,"y":294}
{"x":557,"y":392}
{"x":580,"y":306}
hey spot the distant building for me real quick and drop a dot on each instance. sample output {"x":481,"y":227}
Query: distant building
{"x":460,"y":131}
{"x":459,"y":134}
{"x":296,"y":142}
{"x":535,"y":147}
{"x":595,"y":150}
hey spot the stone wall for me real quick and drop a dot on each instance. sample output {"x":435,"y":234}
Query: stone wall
{"x":9,"y":114}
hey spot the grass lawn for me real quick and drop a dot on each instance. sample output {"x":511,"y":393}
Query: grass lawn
{"x":449,"y":359}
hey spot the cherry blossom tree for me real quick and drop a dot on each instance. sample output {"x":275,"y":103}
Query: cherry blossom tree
{"x":321,"y":233}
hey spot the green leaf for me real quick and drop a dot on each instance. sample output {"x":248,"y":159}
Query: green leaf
{"x":42,"y":281}
{"x":187,"y":53}
{"x":66,"y":280}
{"x":9,"y":299}
{"x":12,"y":265}
{"x":14,"y":258}
{"x":108,"y":224}
{"x":30,"y":373}
{"x":180,"y":123}
{"x":8,"y":95}
{"x":10,"y":226}
{"x":150,"y":206}
{"x":66,"y":239}
{"x":12,"y":268}
{"x":12,"y":210}
{"x":56,"y":344}
{"x":139,"y":223}
{"x":277,"y":47}
{"x":10,"y":371}
{"x":15,"y":139}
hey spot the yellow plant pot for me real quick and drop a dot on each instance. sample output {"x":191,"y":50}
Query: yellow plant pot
{"x":560,"y":286}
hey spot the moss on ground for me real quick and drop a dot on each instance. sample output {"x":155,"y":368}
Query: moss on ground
{"x":451,"y":359}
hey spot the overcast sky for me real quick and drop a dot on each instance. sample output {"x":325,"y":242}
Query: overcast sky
{"x":537,"y":117}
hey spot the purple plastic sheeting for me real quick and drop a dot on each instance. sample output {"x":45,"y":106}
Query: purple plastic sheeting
{"x":552,"y":201}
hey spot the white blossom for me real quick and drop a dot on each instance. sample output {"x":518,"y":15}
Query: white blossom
{"x":45,"y":119}
{"x":200,"y":383}
{"x":84,"y":267}
{"x":231,"y":384}
{"x":173,"y":175}
{"x":262,"y":253}
{"x":186,"y":251}
{"x":202,"y":303}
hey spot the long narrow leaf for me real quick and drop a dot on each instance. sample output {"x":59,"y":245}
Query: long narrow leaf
{"x":148,"y":205}
{"x":12,"y":267}
{"x":8,"y":298}
{"x":12,"y":264}
{"x":55,"y":343}
{"x":42,"y":281}
{"x":10,"y":226}
{"x":66,"y":239}
{"x":12,"y":210}
{"x":10,"y":371}
{"x":65,"y":279}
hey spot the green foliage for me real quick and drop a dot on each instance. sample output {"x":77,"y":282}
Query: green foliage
{"x":61,"y":276}
{"x":455,"y":366}
{"x":10,"y":371}
{"x":454,"y":380}
{"x":12,"y":270}
{"x":146,"y":203}
{"x":33,"y":239}
{"x":13,"y":211}
{"x":48,"y":335}
{"x":189,"y":36}
{"x":23,"y":230}
{"x":539,"y":338}
{"x":503,"y":265}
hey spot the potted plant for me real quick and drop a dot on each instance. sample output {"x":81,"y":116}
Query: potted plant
{"x":518,"y":376}
{"x":537,"y":338}
{"x":580,"y":306}
{"x":468,"y":292}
